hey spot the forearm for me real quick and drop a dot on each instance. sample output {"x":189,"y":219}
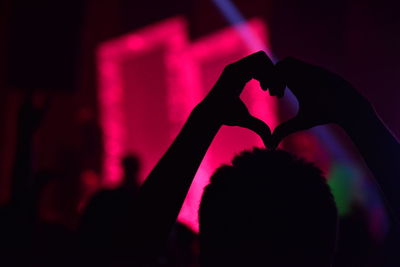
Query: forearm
{"x":381,"y":152}
{"x":162,"y":195}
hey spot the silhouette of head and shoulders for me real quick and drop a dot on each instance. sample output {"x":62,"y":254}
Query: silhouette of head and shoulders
{"x":108,"y":208}
{"x":268,"y":208}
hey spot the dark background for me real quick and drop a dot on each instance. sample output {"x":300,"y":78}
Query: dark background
{"x":50,"y":46}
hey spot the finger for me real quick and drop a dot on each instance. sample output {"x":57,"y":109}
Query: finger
{"x":293,"y":72}
{"x":286,"y":128}
{"x":258,"y":66}
{"x":254,"y":62}
{"x":263,"y":70}
{"x":275,"y":84}
{"x":232,"y":80}
{"x":259,"y":127}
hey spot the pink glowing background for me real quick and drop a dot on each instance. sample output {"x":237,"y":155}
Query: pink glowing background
{"x":149,"y":82}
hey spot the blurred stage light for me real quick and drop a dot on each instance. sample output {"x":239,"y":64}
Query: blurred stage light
{"x":150,"y":80}
{"x":128,"y":69}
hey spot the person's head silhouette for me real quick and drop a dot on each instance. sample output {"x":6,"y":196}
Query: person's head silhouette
{"x":268,"y":208}
{"x":131,"y":166}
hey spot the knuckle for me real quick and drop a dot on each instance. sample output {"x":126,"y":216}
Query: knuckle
{"x":231,"y":68}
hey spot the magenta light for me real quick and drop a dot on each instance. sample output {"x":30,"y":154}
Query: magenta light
{"x":110,"y":54}
{"x":191,"y":70}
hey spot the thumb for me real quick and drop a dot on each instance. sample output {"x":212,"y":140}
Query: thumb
{"x":286,"y":128}
{"x":293,"y":72}
{"x":259,"y":127}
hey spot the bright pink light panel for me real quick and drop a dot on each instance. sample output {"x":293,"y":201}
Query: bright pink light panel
{"x":149,"y":82}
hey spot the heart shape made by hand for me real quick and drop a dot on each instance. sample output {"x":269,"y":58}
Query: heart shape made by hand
{"x":324,"y":97}
{"x":257,"y":66}
{"x":320,"y":94}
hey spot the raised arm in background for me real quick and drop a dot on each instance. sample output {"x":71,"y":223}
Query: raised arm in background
{"x":28,"y":121}
{"x":324,"y":98}
{"x":17,"y":218}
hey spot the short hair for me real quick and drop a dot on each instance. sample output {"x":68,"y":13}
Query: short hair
{"x":267,"y":207}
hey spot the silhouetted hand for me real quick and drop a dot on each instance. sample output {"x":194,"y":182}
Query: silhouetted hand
{"x":324,"y":97}
{"x":223,"y":104}
{"x":161,"y":196}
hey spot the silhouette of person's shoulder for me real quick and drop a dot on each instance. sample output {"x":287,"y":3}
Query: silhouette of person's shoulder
{"x":112,"y":198}
{"x":108,"y":206}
